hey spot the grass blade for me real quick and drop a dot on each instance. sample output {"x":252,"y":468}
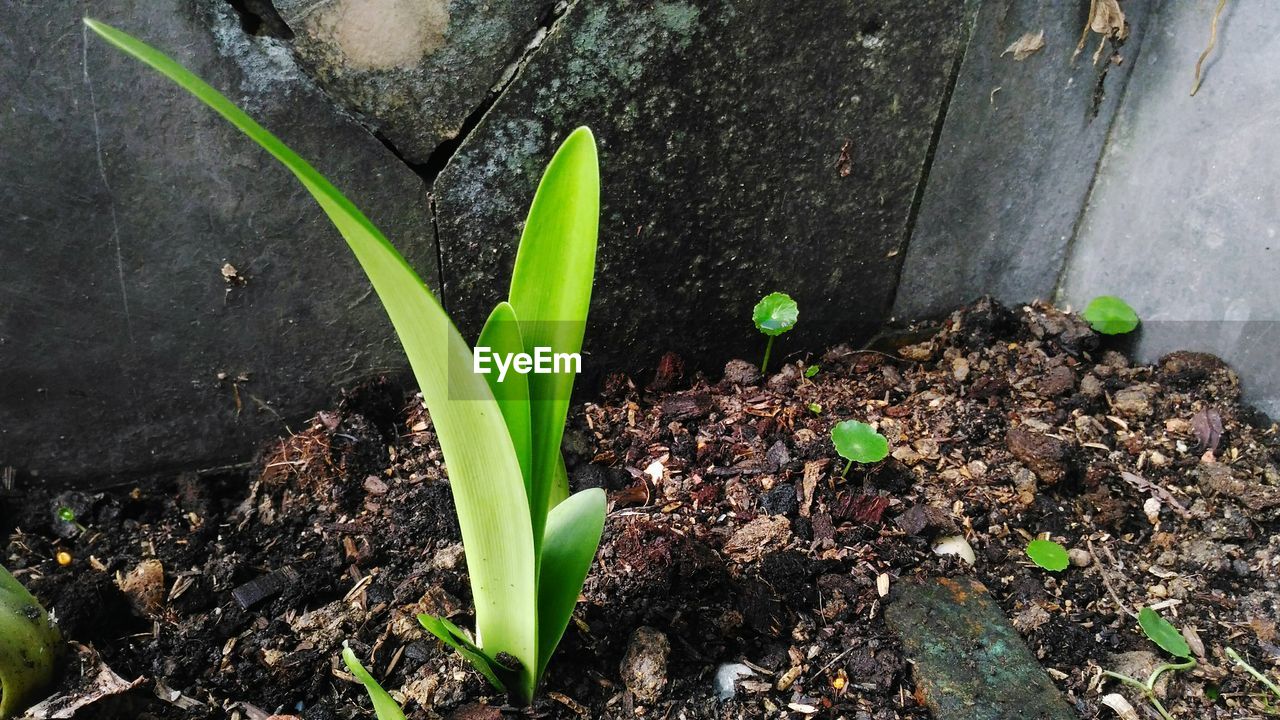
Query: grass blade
{"x":573,"y":535}
{"x":551,"y":293}
{"x":501,"y":333}
{"x":384,"y":706}
{"x":484,"y":472}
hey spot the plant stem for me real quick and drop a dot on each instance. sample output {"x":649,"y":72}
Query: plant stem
{"x":1148,"y":688}
{"x":1235,"y":657}
{"x":768,"y":348}
{"x":845,"y":472}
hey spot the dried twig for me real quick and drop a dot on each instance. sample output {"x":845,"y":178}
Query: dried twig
{"x":1106,"y":579}
{"x":1213,"y":40}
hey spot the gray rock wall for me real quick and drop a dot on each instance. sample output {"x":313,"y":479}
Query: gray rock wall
{"x":871,"y":159}
{"x":124,"y":199}
{"x":746,"y":146}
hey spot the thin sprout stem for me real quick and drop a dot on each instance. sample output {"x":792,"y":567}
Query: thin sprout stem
{"x":1148,"y":688}
{"x":845,"y":472}
{"x":1235,"y":657}
{"x":768,"y":348}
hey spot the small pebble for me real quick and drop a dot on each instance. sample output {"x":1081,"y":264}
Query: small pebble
{"x":727,"y":677}
{"x":1079,"y":558}
{"x":956,"y":545}
{"x":644,"y":667}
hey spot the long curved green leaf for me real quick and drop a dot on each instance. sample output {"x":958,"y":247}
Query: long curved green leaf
{"x":484,"y":472}
{"x":568,"y":547}
{"x":501,"y":333}
{"x":451,"y":635}
{"x":384,"y":706}
{"x":551,"y":293}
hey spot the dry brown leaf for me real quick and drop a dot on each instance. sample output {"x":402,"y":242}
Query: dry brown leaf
{"x":1026,"y":46}
{"x":96,"y":681}
{"x":1107,"y":19}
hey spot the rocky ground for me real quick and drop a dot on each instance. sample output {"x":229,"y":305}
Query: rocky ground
{"x":733,"y":545}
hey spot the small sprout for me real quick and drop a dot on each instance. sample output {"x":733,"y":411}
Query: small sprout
{"x":815,"y":408}
{"x":1163,"y":633}
{"x":1110,"y":315}
{"x":1257,"y":674}
{"x":67,"y":515}
{"x":812,"y":370}
{"x":775,"y":314}
{"x":858,"y":442}
{"x":384,"y":706}
{"x":955,"y":545}
{"x":1048,"y":554}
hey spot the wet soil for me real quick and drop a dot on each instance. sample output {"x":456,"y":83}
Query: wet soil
{"x":731,"y":538}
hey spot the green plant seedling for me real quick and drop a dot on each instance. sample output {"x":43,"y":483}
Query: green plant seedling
{"x":1164,"y":634}
{"x":67,"y":515}
{"x":812,"y":370}
{"x":384,"y":706}
{"x":775,"y":314}
{"x":30,"y":645}
{"x":1257,"y":674}
{"x":1048,"y":555}
{"x":1110,"y":315}
{"x":858,"y":442}
{"x":815,"y":408}
{"x":528,"y":545}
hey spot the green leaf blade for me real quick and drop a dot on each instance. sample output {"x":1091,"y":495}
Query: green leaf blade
{"x":573,"y":535}
{"x":484,"y":471}
{"x":451,"y":635}
{"x":1163,"y":633}
{"x":551,"y":294}
{"x":775,"y":314}
{"x":1110,"y":315}
{"x":1048,"y":555}
{"x":859,"y":442}
{"x":384,"y":706}
{"x":501,"y":333}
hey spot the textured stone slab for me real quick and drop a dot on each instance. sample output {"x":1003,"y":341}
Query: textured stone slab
{"x":1184,"y":219}
{"x":1016,"y":158}
{"x":124,"y":198}
{"x":747,"y":146}
{"x":414,"y":69}
{"x":970,"y":664}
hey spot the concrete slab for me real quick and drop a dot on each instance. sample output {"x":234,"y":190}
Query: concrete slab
{"x":1184,"y":218}
{"x":124,"y":198}
{"x":1016,"y":158}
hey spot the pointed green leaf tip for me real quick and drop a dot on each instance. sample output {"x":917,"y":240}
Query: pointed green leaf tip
{"x":775,"y":314}
{"x":1110,"y":315}
{"x":1048,"y":555}
{"x":384,"y":706}
{"x":1163,"y":633}
{"x":859,"y":442}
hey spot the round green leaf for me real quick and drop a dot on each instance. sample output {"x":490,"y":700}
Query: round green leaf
{"x":775,"y":314}
{"x":859,"y":442}
{"x":1163,"y":633}
{"x":1110,"y":315}
{"x":1048,"y":555}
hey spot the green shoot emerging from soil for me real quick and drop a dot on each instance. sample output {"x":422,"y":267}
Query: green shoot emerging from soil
{"x":858,"y":442}
{"x":1162,"y":633}
{"x":775,"y":314}
{"x":1110,"y":315}
{"x":1048,"y":555}
{"x":29,"y":646}
{"x":384,"y":706}
{"x":1257,"y":674}
{"x":528,"y":545}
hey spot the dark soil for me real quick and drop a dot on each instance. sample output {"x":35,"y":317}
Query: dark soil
{"x":731,"y":538}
